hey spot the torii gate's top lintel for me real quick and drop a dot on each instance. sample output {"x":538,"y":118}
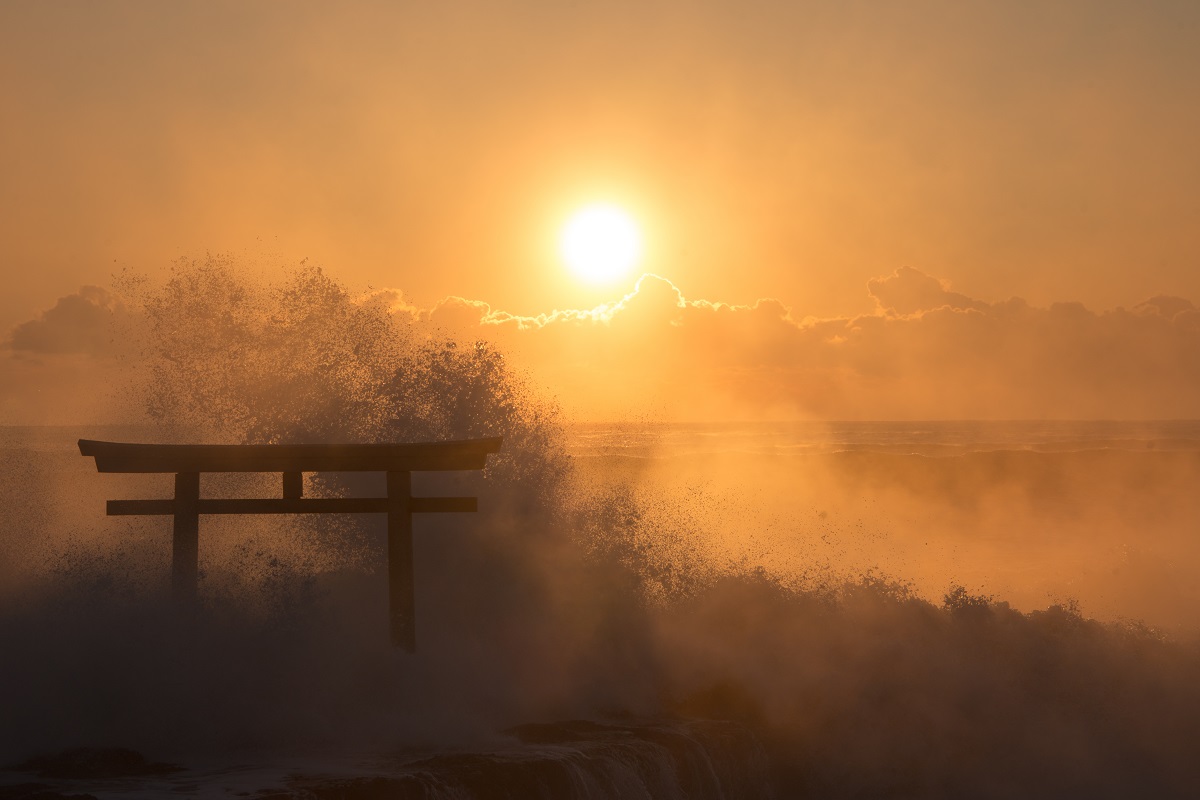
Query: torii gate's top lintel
{"x":466,"y":454}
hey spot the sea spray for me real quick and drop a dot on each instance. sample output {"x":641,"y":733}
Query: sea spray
{"x":286,"y":645}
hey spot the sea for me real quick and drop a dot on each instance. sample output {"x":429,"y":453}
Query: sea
{"x":897,"y":609}
{"x":919,"y":437}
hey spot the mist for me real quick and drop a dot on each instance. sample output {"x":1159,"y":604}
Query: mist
{"x":891,"y":620}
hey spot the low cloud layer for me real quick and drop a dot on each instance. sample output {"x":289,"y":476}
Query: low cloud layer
{"x":926,"y":352}
{"x":83,"y":322}
{"x":64,"y":366}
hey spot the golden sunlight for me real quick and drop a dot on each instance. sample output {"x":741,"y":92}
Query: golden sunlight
{"x":600,"y":243}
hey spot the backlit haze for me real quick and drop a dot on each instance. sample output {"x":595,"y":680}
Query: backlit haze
{"x":845,"y":354}
{"x":812,"y":182}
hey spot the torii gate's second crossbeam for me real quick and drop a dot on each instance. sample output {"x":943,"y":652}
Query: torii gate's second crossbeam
{"x":398,"y":461}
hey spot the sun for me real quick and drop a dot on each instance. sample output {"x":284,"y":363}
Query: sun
{"x":600,"y":243}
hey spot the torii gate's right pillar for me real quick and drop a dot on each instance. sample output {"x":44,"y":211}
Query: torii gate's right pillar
{"x":185,"y":543}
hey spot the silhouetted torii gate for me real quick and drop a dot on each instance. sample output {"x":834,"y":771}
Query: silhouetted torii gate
{"x":399,"y":461}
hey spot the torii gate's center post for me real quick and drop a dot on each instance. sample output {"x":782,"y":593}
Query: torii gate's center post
{"x":397,"y":461}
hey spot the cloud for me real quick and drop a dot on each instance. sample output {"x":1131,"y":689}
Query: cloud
{"x":393,"y":301}
{"x":459,"y":314}
{"x":1165,"y":306}
{"x":926,"y":352}
{"x":908,"y":291}
{"x":82,"y":322}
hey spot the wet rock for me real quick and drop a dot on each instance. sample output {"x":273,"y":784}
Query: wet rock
{"x":38,"y":791}
{"x":93,"y":762}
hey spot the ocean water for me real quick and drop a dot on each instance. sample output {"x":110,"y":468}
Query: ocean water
{"x":892,"y":609}
{"x":927,"y":438}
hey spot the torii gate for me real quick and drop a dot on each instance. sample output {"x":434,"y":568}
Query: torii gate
{"x":399,"y":461}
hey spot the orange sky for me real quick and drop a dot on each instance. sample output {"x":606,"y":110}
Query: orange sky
{"x":792,"y":151}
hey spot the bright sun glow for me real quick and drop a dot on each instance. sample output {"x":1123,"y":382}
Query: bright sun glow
{"x":600,"y":243}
